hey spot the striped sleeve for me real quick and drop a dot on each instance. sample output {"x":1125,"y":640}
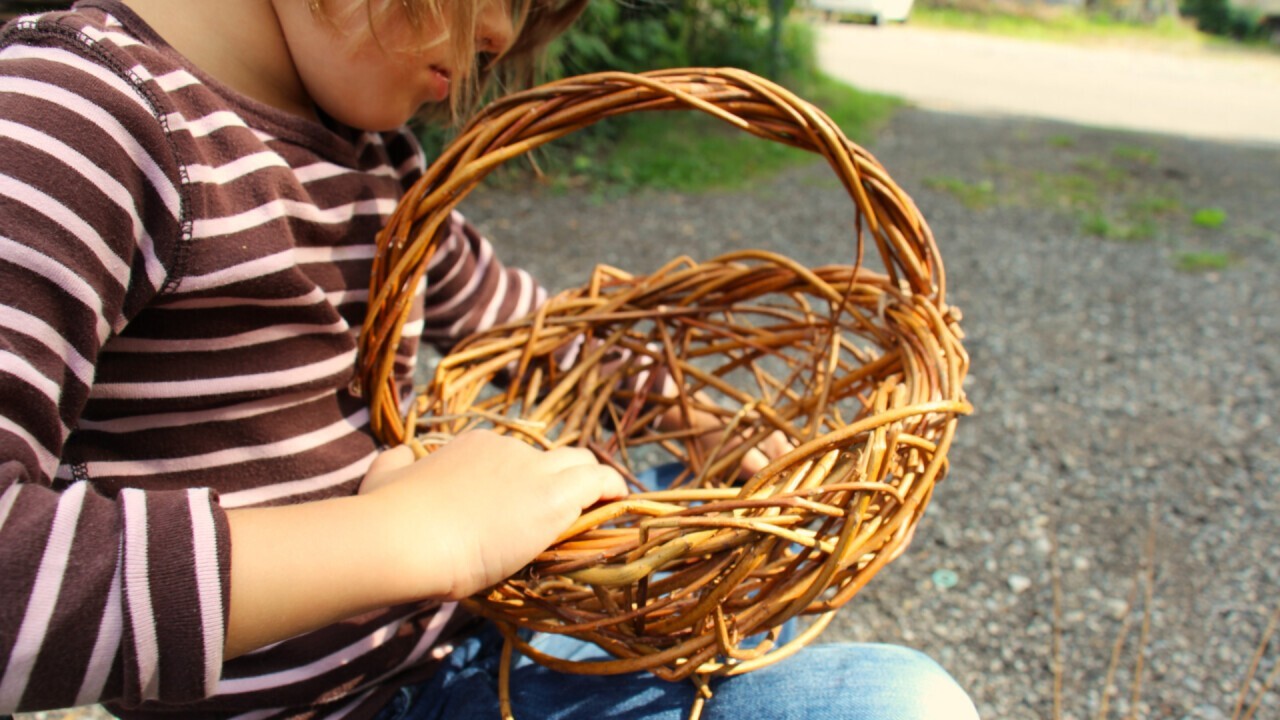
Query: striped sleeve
{"x":470,"y":290}
{"x":104,"y":596}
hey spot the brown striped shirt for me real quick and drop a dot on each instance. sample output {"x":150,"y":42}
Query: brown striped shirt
{"x":183,"y":272}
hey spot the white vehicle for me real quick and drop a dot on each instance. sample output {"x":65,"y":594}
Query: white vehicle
{"x":880,"y":11}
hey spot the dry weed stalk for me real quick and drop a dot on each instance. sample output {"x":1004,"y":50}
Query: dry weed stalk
{"x":860,"y":369}
{"x":1252,"y":672}
{"x":1144,"y":578}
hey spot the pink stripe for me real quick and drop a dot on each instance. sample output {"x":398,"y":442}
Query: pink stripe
{"x":232,"y":456}
{"x":7,"y":500}
{"x":59,"y":274}
{"x":344,"y":656}
{"x":262,"y":336}
{"x":277,"y":379}
{"x":250,"y":270}
{"x":208,"y":584}
{"x":44,"y":596}
{"x":137,"y":594}
{"x":314,"y":297}
{"x":276,"y":491}
{"x":239,"y":411}
{"x":105,"y":647}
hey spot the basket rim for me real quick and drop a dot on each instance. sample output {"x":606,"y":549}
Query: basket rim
{"x":518,"y":123}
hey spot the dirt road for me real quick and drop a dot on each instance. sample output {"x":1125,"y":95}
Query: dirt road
{"x":1200,"y":94}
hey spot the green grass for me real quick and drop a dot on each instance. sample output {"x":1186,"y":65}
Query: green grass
{"x":1153,"y":205}
{"x":973,"y":195}
{"x":1112,"y":193}
{"x":691,"y":152}
{"x":1204,"y":261}
{"x":1211,"y":218}
{"x":1135,"y":154}
{"x":1118,"y":227}
{"x":1067,"y":190}
{"x":1102,"y":170}
{"x":1059,"y":25}
{"x":1068,"y":25}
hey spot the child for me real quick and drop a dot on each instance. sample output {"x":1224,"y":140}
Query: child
{"x":194,"y":519}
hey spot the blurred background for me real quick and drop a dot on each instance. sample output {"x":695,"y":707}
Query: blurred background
{"x":1102,"y":177}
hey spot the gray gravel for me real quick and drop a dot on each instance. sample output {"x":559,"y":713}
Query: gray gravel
{"x":1114,"y":392}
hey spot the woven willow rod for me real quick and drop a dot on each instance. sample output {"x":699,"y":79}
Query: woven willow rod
{"x":859,"y":368}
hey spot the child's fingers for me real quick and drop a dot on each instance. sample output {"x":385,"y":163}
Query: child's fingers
{"x":752,"y":463}
{"x":393,"y":459}
{"x":616,"y":487}
{"x":384,"y":464}
{"x":774,"y":446}
{"x":567,"y":457}
{"x":582,"y":486}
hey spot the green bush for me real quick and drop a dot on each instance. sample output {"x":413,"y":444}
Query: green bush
{"x":630,"y":36}
{"x":1219,"y":17}
{"x":672,"y":150}
{"x":611,"y":37}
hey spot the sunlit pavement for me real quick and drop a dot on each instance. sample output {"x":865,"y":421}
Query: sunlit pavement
{"x":1201,"y":94}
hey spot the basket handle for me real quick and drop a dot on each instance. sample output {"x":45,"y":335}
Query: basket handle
{"x":524,"y":121}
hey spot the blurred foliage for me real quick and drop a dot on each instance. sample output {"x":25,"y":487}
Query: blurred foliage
{"x":1220,"y":17}
{"x":1134,"y":19}
{"x":1102,"y":19}
{"x":653,"y":34}
{"x":682,"y":151}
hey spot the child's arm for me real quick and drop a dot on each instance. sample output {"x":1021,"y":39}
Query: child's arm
{"x":470,"y":290}
{"x":447,"y":526}
{"x":92,"y":586}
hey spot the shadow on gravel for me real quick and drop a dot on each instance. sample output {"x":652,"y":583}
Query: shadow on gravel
{"x":1120,"y":300}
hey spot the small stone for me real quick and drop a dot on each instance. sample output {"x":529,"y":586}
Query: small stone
{"x":1019,"y":583}
{"x":945,"y":579}
{"x":1115,"y":608}
{"x":1205,"y":712}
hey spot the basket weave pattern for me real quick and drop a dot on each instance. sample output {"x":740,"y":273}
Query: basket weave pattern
{"x":859,"y":368}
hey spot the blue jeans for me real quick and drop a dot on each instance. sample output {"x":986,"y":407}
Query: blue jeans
{"x":836,"y":681}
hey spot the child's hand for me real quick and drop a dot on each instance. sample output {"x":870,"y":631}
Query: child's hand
{"x":711,"y":437}
{"x":481,"y":507}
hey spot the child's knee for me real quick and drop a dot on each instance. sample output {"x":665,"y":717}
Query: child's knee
{"x":915,"y":686}
{"x":863,"y":681}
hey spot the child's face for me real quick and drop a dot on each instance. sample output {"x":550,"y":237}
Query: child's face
{"x":377,"y":78}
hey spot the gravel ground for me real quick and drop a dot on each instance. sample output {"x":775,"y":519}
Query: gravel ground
{"x":1115,"y":392}
{"x":1122,"y":387}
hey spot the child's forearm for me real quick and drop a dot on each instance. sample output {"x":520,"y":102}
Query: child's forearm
{"x":446,"y":526}
{"x":298,"y":568}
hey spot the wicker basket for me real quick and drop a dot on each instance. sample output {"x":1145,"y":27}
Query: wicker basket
{"x":860,"y":368}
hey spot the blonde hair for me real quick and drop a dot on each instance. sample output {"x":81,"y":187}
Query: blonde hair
{"x":535,"y":24}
